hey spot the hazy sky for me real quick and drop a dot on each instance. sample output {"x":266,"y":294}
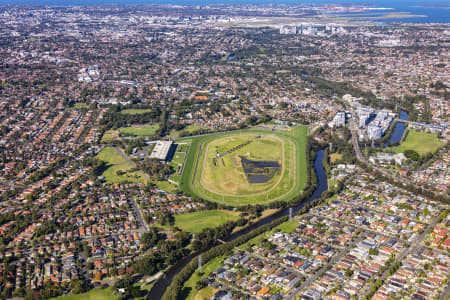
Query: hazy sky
{"x":85,"y":2}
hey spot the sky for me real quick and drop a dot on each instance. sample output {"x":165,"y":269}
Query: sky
{"x":384,"y":3}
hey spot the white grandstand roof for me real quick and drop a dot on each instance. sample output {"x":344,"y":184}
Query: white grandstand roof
{"x":161,"y":150}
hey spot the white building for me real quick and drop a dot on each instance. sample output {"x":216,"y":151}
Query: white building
{"x":288,"y":29}
{"x":374,"y":132}
{"x":161,"y":150}
{"x":338,"y":120}
{"x":388,"y":157}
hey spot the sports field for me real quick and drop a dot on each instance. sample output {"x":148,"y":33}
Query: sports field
{"x":214,"y":165}
{"x":134,"y":111}
{"x":197,"y":221}
{"x":141,"y":130}
{"x":419,"y":141}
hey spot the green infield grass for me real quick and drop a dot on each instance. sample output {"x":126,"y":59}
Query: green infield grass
{"x":227,"y":176}
{"x":419,"y":141}
{"x":222,"y":179}
{"x":197,"y":221}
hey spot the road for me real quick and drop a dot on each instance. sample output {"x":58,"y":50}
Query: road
{"x":143,"y":227}
{"x":417,"y":241}
{"x":365,"y":228}
{"x":394,"y":177}
{"x":379,"y":211}
{"x":446,"y":293}
{"x":362,"y":158}
{"x":277,"y":263}
{"x":333,"y":260}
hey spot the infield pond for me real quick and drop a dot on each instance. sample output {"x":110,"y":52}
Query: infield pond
{"x":259,"y":171}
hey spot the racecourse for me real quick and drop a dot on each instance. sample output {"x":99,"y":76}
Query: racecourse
{"x":286,"y":147}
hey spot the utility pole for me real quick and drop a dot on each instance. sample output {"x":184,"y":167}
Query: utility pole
{"x":290,"y":213}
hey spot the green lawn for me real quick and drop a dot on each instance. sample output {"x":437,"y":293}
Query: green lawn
{"x":208,"y":268}
{"x":133,"y":111}
{"x":197,"y":221}
{"x":177,"y":162}
{"x":293,"y":180}
{"x":108,"y":136}
{"x":288,"y":227}
{"x":141,"y":130}
{"x":205,"y":293}
{"x":95,"y":294}
{"x":117,"y":163}
{"x":144,"y":287}
{"x":178,"y":159}
{"x":166,"y":186}
{"x":182,"y":147}
{"x":111,"y":156}
{"x":419,"y":141}
{"x":175,"y":178}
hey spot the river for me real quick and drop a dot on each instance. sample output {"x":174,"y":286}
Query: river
{"x":322,"y":185}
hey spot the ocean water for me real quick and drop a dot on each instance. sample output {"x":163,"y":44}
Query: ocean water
{"x":435,"y":14}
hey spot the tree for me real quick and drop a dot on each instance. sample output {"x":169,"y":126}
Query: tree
{"x":165,"y":218}
{"x":156,"y":169}
{"x":150,"y":238}
{"x":78,"y":286}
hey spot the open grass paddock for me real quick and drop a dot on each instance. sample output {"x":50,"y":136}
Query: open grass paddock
{"x":419,"y":141}
{"x":95,"y":294}
{"x":117,"y":163}
{"x":208,"y":268}
{"x":197,"y":221}
{"x":223,"y":180}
